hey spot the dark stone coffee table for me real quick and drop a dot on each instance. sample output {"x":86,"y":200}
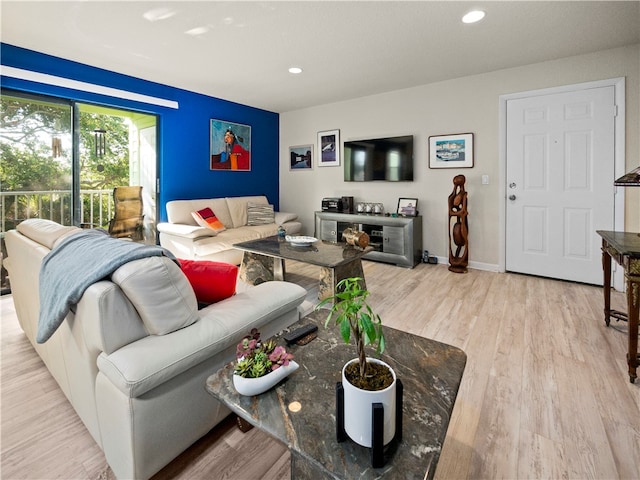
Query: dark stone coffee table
{"x":263,"y":261}
{"x":430,"y":372}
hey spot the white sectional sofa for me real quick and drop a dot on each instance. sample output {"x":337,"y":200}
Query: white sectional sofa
{"x":141,"y":396}
{"x":182,"y":235}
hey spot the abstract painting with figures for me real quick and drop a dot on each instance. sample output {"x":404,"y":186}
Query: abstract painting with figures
{"x":230,"y":146}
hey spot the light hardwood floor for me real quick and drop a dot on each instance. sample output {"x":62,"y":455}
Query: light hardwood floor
{"x":545,"y":394}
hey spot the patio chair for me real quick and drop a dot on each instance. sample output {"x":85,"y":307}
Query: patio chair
{"x":128,"y":217}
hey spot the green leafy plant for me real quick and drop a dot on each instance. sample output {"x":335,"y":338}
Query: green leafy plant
{"x":256,"y":358}
{"x":354,"y":316}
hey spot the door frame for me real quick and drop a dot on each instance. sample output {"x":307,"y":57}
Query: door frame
{"x":619,"y":159}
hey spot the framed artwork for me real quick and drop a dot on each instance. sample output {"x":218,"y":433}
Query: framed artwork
{"x":301,"y":157}
{"x":451,"y":151}
{"x":329,"y":148}
{"x":230,"y":146}
{"x":407,"y":207}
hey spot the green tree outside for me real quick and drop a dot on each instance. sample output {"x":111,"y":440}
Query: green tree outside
{"x":27,"y":130}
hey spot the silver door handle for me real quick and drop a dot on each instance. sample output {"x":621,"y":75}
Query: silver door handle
{"x":512,"y":197}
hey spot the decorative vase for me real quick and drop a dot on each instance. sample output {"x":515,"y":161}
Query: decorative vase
{"x":256,"y":386}
{"x":357,"y":408}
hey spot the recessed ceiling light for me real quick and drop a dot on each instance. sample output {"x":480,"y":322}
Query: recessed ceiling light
{"x":295,"y":70}
{"x":158,"y":14}
{"x":473,"y":16}
{"x":197,"y":31}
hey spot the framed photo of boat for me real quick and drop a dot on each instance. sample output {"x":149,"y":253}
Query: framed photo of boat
{"x":451,"y":151}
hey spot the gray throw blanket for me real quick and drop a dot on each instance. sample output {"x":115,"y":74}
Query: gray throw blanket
{"x":76,"y":263}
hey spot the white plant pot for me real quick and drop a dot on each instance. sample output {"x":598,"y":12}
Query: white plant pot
{"x":357,"y":408}
{"x":256,"y":386}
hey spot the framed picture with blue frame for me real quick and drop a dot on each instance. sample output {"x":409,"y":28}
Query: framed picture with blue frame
{"x":230,"y":146}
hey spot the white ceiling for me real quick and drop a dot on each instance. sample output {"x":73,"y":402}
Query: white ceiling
{"x":347,"y":49}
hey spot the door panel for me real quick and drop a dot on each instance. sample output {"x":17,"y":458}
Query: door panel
{"x":560,"y":171}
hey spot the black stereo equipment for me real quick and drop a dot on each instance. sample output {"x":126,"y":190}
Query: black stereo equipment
{"x":330,"y":204}
{"x":347,"y":204}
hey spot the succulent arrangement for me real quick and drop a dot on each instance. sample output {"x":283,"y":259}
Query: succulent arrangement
{"x":256,"y":358}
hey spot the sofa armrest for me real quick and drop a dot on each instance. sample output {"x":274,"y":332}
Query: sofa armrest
{"x":185,"y":231}
{"x":151,"y":361}
{"x":109,"y":320}
{"x":283,"y":217}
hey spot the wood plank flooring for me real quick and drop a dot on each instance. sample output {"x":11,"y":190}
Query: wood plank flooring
{"x":545,"y":394}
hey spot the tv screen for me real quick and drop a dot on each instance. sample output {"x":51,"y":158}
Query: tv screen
{"x":387,"y":159}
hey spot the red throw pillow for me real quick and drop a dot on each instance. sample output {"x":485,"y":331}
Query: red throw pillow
{"x":211,"y":281}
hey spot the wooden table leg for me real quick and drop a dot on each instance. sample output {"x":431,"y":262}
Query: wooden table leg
{"x":633,"y":311}
{"x":606,"y":267}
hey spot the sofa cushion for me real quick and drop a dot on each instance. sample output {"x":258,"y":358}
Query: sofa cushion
{"x":186,"y":231}
{"x":283,"y":217}
{"x":142,"y":366}
{"x":179,"y":211}
{"x":211,"y":281}
{"x":160,"y":292}
{"x":206,"y":218}
{"x":45,"y":232}
{"x":238,"y":208}
{"x":259,"y":214}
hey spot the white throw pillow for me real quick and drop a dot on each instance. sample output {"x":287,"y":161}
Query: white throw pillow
{"x":160,"y":292}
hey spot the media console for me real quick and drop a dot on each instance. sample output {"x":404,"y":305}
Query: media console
{"x":395,"y":240}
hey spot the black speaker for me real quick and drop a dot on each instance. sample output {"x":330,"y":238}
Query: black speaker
{"x":347,"y":204}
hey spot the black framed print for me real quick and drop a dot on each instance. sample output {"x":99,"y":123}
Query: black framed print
{"x":301,"y":157}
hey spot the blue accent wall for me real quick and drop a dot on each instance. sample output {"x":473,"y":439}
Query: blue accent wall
{"x":183,"y":140}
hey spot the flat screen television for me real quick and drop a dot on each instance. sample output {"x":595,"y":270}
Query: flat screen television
{"x":386,"y":159}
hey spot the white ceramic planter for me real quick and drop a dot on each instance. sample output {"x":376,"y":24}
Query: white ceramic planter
{"x":357,"y":408}
{"x":256,"y":386}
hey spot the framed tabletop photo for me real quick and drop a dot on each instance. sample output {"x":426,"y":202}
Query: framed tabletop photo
{"x":451,"y":151}
{"x":407,"y":207}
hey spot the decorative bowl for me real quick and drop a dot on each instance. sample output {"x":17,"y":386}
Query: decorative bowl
{"x":256,"y":386}
{"x":300,"y":240}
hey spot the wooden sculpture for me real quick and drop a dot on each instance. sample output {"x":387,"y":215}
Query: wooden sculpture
{"x":458,"y":227}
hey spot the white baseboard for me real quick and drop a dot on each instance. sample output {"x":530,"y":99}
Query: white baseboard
{"x":489,"y":267}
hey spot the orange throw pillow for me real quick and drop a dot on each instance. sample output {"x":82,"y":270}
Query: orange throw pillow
{"x":211,"y":281}
{"x":206,"y":218}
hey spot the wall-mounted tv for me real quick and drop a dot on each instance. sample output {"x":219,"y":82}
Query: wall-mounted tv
{"x":386,"y":159}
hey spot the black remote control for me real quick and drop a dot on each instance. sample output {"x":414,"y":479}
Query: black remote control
{"x":298,"y":333}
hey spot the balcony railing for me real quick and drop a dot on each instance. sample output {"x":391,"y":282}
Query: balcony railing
{"x":96,"y":207}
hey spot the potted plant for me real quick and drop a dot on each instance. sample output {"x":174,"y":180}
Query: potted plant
{"x":260,"y":364}
{"x":365,"y":380}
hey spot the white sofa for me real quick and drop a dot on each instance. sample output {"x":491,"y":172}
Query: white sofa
{"x":141,"y":396}
{"x":182,"y":236}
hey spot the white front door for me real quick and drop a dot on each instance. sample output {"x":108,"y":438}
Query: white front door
{"x":559,"y":176}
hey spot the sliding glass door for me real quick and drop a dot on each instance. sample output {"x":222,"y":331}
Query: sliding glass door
{"x":37,"y":155}
{"x":61,"y":160}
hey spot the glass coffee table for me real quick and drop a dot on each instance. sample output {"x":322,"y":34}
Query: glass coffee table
{"x":263,"y":261}
{"x":300,"y":411}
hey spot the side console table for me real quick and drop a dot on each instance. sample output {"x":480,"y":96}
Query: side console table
{"x":624,"y":248}
{"x":395,"y":240}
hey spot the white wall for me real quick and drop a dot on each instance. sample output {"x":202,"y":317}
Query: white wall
{"x":469,"y":104}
